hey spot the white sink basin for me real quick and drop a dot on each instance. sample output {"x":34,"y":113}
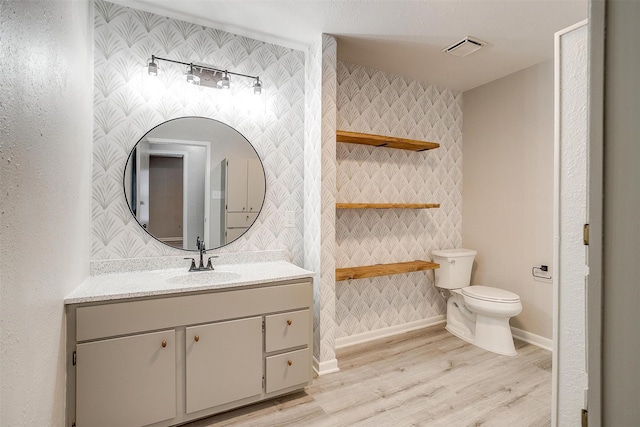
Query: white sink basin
{"x":197,"y":278}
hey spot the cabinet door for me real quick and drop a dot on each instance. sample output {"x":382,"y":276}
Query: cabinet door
{"x":255,"y":185}
{"x":236,"y":185}
{"x":127,"y":381}
{"x":234,"y":233}
{"x":224,"y":362}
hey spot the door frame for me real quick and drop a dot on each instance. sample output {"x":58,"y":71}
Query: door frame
{"x":556,"y":373}
{"x":595,"y":171}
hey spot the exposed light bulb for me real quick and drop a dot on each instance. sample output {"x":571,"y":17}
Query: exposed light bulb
{"x":191,"y":77}
{"x":257,"y":86}
{"x":152,"y":67}
{"x":224,"y":82}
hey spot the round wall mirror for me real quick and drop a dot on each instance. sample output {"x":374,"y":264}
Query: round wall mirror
{"x":194,"y":178}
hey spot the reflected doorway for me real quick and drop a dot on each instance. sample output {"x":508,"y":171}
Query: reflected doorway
{"x":166,"y":198}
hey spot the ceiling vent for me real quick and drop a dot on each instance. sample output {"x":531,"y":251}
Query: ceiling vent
{"x":464,"y":47}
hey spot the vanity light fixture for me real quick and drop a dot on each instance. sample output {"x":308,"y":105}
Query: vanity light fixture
{"x":224,"y":82}
{"x":214,"y":77}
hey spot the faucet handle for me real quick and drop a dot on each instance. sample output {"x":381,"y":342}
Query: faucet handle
{"x":209,"y":265}
{"x":193,"y":264}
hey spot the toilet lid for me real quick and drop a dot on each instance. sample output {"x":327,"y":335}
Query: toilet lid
{"x":487,"y":293}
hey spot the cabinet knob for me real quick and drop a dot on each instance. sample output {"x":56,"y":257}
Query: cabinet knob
{"x":289,"y":362}
{"x":197,"y":338}
{"x":289,"y":322}
{"x":164,"y":343}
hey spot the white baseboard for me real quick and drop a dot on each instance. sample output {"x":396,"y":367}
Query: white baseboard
{"x":534,"y":339}
{"x":326,"y":367}
{"x":389,"y":331}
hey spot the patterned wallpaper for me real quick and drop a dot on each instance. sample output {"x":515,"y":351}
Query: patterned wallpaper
{"x":303,"y":165}
{"x":371,"y":101}
{"x":126,"y":105}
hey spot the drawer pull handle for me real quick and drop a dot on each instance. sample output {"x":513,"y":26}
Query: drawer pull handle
{"x":164,"y":343}
{"x":289,"y":322}
{"x":289,"y":362}
{"x":197,"y":338}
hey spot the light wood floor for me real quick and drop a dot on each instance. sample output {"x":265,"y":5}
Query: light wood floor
{"x":422,"y":378}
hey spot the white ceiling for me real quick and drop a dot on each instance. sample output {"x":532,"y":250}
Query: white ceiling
{"x":397,"y":36}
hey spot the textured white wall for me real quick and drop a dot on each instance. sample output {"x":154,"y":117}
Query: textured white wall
{"x":372,"y":101}
{"x":571,"y":328}
{"x":508,"y":189}
{"x":45,"y":150}
{"x":125,"y":108}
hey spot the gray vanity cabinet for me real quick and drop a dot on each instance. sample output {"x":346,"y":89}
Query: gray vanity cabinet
{"x":166,"y":360}
{"x":224,"y":363}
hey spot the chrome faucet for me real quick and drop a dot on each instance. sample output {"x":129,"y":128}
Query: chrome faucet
{"x":203,"y":249}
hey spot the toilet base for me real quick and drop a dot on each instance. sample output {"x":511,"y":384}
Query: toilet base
{"x":494,"y":334}
{"x":489,"y":333}
{"x":460,"y":334}
{"x":489,"y":340}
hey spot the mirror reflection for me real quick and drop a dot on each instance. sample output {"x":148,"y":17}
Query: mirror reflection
{"x":191,"y":178}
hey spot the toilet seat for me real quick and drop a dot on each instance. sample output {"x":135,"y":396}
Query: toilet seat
{"x":487,"y":293}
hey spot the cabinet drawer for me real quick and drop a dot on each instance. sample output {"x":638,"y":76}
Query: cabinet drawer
{"x":286,"y":330}
{"x":287,"y":370}
{"x":240,"y":219}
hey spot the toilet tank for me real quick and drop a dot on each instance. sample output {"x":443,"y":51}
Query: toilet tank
{"x":455,"y":267}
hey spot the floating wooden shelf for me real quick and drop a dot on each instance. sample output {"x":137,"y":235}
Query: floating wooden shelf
{"x":383,"y":269}
{"x":384,"y":141}
{"x":387,"y":205}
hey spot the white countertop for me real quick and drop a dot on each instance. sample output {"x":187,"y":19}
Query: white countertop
{"x":135,"y":284}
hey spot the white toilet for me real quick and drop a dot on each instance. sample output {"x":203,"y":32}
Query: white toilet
{"x":477,"y":314}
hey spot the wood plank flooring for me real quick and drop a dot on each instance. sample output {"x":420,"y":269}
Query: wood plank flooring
{"x":422,"y":378}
